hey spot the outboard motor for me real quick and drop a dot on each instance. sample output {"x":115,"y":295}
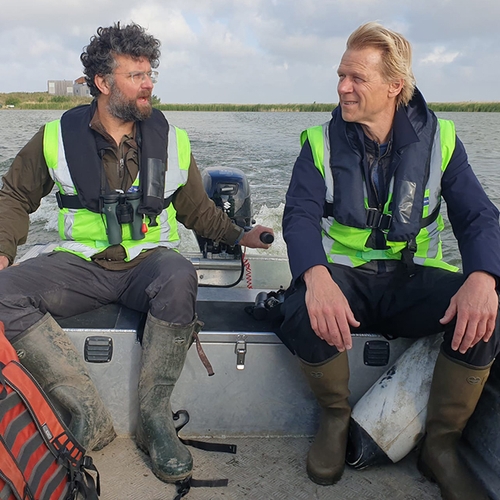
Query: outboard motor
{"x":230,"y":191}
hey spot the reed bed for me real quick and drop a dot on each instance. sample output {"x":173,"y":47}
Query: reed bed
{"x":42,"y":100}
{"x":493,"y":107}
{"x":247,"y":107}
{"x":487,"y":107}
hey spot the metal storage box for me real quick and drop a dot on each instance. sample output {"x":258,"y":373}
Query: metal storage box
{"x":257,"y":389}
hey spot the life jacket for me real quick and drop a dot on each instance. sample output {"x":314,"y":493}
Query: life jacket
{"x":73,"y":153}
{"x":409,"y":219}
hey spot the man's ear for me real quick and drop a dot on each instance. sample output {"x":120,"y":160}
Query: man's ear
{"x":102,"y":83}
{"x":396,"y":87}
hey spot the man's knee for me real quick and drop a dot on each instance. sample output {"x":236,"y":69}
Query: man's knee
{"x":178,"y":276}
{"x":173,"y":293}
{"x":481,"y":355}
{"x":298,"y":333}
{"x":18,"y":310}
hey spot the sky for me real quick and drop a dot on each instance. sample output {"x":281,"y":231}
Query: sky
{"x":257,"y":51}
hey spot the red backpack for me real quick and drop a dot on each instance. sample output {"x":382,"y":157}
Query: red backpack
{"x":39,"y":457}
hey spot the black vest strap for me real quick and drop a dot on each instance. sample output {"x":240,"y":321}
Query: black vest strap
{"x":73,"y":202}
{"x":427,"y":221}
{"x":378,"y":220}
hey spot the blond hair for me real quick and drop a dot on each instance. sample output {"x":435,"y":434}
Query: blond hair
{"x":396,"y":55}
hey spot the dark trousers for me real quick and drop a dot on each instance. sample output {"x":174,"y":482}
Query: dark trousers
{"x":62,"y":284}
{"x":389,"y":303}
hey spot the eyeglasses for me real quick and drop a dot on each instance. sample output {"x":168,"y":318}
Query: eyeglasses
{"x":138,"y":77}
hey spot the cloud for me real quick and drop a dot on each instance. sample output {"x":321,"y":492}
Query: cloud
{"x":440,"y":56}
{"x":256,"y":50}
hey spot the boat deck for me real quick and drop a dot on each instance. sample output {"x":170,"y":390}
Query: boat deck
{"x":262,"y":468}
{"x":268,"y":397}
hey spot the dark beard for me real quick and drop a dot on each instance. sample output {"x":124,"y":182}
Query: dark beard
{"x":126,"y":110}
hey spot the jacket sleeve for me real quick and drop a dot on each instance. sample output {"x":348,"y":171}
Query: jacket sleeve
{"x":473,"y":217}
{"x":24,"y":185}
{"x":196,"y":211}
{"x":304,"y":204}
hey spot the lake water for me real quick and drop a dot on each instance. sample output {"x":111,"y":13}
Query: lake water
{"x":264,"y":146}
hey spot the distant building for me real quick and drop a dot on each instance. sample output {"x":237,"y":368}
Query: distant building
{"x":80,"y":87}
{"x":60,"y":87}
{"x":67,"y":87}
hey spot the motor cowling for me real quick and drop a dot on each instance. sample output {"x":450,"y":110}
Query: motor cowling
{"x":228,"y":188}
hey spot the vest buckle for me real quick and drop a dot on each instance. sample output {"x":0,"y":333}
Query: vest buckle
{"x":377,"y":220}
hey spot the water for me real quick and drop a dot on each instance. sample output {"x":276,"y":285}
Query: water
{"x":264,"y":146}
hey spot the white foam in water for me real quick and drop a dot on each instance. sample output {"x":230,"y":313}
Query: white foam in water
{"x":46,"y":215}
{"x":269,"y":217}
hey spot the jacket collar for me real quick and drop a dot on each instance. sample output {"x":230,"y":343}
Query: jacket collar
{"x":408,"y":122}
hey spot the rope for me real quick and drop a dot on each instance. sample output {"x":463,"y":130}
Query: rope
{"x":248,"y":270}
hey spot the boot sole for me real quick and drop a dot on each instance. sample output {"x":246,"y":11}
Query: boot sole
{"x":104,"y":442}
{"x":323,"y":481}
{"x":157,"y":473}
{"x":171,"y":479}
{"x":426,"y":472}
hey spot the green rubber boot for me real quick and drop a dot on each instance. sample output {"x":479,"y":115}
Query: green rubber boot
{"x":455,"y":391}
{"x":47,"y":352}
{"x":329,"y":383}
{"x":164,"y":349}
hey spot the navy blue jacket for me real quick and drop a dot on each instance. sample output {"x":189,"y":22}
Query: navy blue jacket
{"x":474,"y":218}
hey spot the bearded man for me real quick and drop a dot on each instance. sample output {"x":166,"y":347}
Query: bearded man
{"x":124,"y":178}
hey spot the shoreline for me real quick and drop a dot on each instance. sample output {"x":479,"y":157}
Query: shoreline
{"x":44,"y":101}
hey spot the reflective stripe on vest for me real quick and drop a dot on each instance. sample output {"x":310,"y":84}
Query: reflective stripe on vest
{"x":83,"y":231}
{"x":347,"y":245}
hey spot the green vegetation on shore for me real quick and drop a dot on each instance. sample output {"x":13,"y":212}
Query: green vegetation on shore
{"x":246,"y":107}
{"x":325,"y":107}
{"x":42,"y":100}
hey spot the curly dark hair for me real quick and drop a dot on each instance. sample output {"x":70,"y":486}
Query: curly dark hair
{"x":131,"y":40}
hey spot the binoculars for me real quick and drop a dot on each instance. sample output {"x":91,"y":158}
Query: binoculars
{"x":265,"y":304}
{"x":122,"y":208}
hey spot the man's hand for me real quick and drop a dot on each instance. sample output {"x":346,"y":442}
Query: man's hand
{"x":251,"y":239}
{"x":329,"y":312}
{"x":476,"y":306}
{"x":4,"y":262}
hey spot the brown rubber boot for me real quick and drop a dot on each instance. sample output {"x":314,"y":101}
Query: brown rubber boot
{"x":47,"y":352}
{"x":455,"y":391}
{"x":164,"y":349}
{"x":329,"y":383}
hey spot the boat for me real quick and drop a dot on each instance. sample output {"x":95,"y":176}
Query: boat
{"x":257,"y":398}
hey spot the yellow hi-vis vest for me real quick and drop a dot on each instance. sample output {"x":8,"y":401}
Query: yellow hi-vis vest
{"x":84,"y":232}
{"x":347,"y":245}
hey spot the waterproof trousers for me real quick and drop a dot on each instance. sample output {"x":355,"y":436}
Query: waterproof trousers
{"x":64,"y":285}
{"x":389,"y":303}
